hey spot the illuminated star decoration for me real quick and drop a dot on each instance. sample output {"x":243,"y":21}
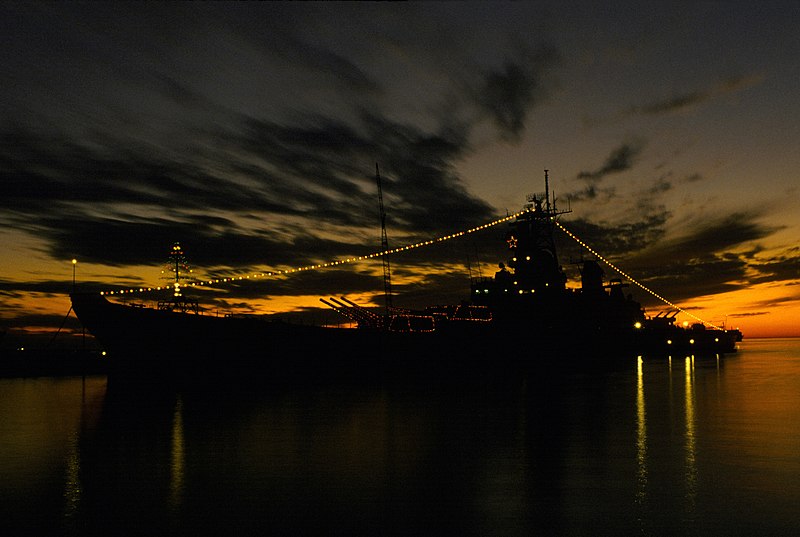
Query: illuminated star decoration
{"x":512,"y":242}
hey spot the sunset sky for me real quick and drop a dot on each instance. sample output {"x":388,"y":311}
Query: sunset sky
{"x":250,"y":133}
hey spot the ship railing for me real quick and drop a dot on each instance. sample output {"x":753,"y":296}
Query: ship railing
{"x":412,"y":323}
{"x":181,"y":306}
{"x":469,"y":312}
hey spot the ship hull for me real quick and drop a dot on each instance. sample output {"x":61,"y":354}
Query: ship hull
{"x":139,"y":339}
{"x":166,"y":343}
{"x":162,"y":343}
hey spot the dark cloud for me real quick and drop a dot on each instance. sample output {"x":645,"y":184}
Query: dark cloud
{"x":775,"y":302}
{"x":707,"y":237}
{"x":47,"y":288}
{"x":436,"y":288}
{"x":102,"y":206}
{"x":699,"y":263}
{"x":178,"y":92}
{"x":693,"y":98}
{"x":39,"y":320}
{"x":675,"y":103}
{"x":97,"y":188}
{"x":358,"y":279}
{"x":748,"y":314}
{"x":593,"y":193}
{"x":781,"y":268}
{"x":616,"y":240}
{"x":507,"y":94}
{"x":621,"y":159}
{"x":681,"y":282}
{"x":660,"y":186}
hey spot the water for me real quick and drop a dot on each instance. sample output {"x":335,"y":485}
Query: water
{"x":680,"y":447}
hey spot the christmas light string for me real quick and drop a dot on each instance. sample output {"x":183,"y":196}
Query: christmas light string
{"x":399,"y":249}
{"x":631,"y":279}
{"x":319,"y":266}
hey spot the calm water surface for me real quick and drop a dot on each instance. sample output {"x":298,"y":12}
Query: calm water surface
{"x":667,"y":447}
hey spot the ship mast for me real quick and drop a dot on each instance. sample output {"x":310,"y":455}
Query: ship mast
{"x":547,"y":189}
{"x":176,"y":263}
{"x":387,"y":272}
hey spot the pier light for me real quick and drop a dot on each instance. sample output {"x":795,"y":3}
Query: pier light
{"x":716,"y":340}
{"x":691,"y":342}
{"x":637,"y":324}
{"x":74,"y":263}
{"x":669,"y":342}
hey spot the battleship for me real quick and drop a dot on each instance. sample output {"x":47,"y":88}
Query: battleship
{"x":524,"y":315}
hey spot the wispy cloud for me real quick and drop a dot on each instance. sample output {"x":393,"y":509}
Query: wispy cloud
{"x":693,"y":98}
{"x":509,"y":93}
{"x":621,"y":159}
{"x":705,"y":261}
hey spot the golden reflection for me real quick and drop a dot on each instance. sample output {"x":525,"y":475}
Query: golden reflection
{"x":89,"y":406}
{"x":691,"y":454}
{"x":641,"y":437}
{"x":72,"y":481}
{"x":177,"y":465}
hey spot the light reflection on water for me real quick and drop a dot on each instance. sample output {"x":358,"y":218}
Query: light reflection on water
{"x":178,"y":457}
{"x":691,"y":447}
{"x":641,"y":437}
{"x":710,"y":448}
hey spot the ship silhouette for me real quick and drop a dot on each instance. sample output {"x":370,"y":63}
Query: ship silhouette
{"x":524,"y":316}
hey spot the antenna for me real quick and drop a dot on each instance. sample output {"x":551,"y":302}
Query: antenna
{"x":387,"y":271}
{"x":547,"y":190}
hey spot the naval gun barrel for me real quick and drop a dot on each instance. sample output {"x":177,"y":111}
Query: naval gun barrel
{"x":361,"y":308}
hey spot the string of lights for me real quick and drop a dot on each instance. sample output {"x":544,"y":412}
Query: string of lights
{"x":631,"y":279}
{"x":349,"y":260}
{"x":399,"y":249}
